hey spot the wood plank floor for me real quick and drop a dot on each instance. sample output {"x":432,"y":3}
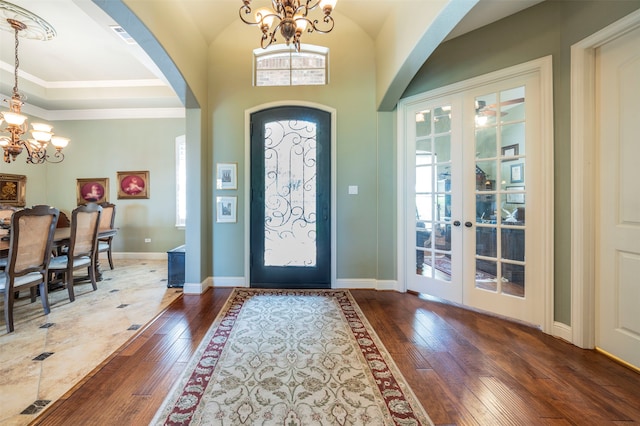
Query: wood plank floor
{"x":466,"y":368}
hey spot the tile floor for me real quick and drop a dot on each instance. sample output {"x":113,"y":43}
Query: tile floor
{"x":47,"y":355}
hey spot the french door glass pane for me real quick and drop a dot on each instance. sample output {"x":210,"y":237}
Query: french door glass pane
{"x":433,"y":193}
{"x":290,"y":194}
{"x":500,"y":191}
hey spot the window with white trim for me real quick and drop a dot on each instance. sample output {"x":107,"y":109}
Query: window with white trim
{"x":281,"y":65}
{"x":181,"y":181}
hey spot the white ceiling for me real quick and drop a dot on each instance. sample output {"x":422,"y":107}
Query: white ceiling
{"x":88,"y":66}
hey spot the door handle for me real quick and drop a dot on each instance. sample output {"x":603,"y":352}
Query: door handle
{"x":468,"y":224}
{"x":456,"y":223}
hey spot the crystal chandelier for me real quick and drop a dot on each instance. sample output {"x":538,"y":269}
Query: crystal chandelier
{"x":289,"y":17}
{"x":11,"y":139}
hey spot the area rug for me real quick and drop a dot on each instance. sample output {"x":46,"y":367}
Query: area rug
{"x":443,"y":264}
{"x":291,"y":357}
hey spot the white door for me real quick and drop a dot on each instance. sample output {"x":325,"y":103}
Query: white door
{"x":474,"y":211}
{"x":433,"y":158}
{"x":502,"y":217}
{"x":618,"y":237}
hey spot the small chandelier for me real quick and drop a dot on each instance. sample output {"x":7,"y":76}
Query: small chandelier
{"x":290,"y":17}
{"x":16,"y":123}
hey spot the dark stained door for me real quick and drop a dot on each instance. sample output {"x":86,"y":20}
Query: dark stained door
{"x":290,"y":198}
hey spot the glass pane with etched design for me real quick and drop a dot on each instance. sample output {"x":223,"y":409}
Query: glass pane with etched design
{"x":290,"y":194}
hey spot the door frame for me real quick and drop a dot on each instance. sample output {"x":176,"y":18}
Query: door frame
{"x":544,"y":194}
{"x":247,"y":180}
{"x":584,"y":163}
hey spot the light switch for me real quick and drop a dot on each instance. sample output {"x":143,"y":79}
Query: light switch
{"x":353,"y":189}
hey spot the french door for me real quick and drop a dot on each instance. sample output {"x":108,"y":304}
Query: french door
{"x":472,"y":210}
{"x":290,"y":207}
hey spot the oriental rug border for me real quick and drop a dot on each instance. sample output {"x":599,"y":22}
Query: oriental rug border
{"x":375,"y":392}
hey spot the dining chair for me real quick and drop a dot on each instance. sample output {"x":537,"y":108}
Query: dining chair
{"x":5,"y":220}
{"x":30,"y":244}
{"x":81,"y":251}
{"x":107,"y":220}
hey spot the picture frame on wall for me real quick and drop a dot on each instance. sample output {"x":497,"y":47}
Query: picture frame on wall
{"x":133,"y":185}
{"x":226,"y":209}
{"x":227,"y":176}
{"x":13,"y":189}
{"x":510,"y":151}
{"x":92,"y":190}
{"x":517,"y":173}
{"x":517,"y":197}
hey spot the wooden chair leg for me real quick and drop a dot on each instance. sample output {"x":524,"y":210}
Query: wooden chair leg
{"x":92,"y":276}
{"x":8,"y":311}
{"x":44,"y":295}
{"x":69,"y":283}
{"x":110,"y":258}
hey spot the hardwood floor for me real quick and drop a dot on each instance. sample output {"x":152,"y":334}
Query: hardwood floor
{"x":466,"y":368}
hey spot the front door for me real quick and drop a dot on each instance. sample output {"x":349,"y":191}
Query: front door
{"x":618,"y":240}
{"x":290,"y":198}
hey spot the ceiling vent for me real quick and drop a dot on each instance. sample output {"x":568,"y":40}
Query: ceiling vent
{"x":123,"y":34}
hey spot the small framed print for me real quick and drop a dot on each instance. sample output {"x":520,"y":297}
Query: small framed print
{"x":92,"y":190}
{"x":227,"y":176}
{"x":133,"y":185}
{"x":518,"y":197}
{"x":226,"y":209}
{"x":510,"y":151}
{"x":13,"y":189}
{"x":517,"y":173}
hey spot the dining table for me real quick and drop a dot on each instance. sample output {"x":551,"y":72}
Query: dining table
{"x":61,"y":238}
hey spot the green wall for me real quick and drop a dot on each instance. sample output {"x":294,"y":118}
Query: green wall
{"x":549,"y":28}
{"x":99,"y":149}
{"x":351,"y":92}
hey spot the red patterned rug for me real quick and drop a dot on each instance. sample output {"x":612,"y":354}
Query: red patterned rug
{"x":443,"y":264}
{"x":291,"y":357}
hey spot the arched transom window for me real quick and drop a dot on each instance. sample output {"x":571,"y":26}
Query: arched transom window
{"x":281,"y":65}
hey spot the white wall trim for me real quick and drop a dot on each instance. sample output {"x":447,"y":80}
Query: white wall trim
{"x":563,"y":331}
{"x":347,"y":283}
{"x":197,"y":288}
{"x":356,"y":283}
{"x":583,"y":178}
{"x":229,"y":282}
{"x":390,"y":285}
{"x":101,"y":114}
{"x":132,"y":255}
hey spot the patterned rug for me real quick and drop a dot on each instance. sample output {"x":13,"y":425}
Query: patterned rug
{"x":291,"y":357}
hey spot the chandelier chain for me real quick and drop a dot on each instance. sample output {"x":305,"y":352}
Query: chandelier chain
{"x":16,"y":126}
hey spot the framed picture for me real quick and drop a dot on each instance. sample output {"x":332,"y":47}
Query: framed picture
{"x":517,"y":173}
{"x":13,"y":189}
{"x":227,"y":176}
{"x":510,"y":151}
{"x":92,"y":190}
{"x":517,"y":198}
{"x":226,"y":209}
{"x":133,"y":184}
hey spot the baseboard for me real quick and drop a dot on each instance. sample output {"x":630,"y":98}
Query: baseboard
{"x":229,"y":282}
{"x":197,"y":288}
{"x":131,"y":255}
{"x":563,"y":331}
{"x":362,"y":283}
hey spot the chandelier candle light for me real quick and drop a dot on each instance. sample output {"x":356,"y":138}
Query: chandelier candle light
{"x":290,"y":17}
{"x":16,"y":123}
